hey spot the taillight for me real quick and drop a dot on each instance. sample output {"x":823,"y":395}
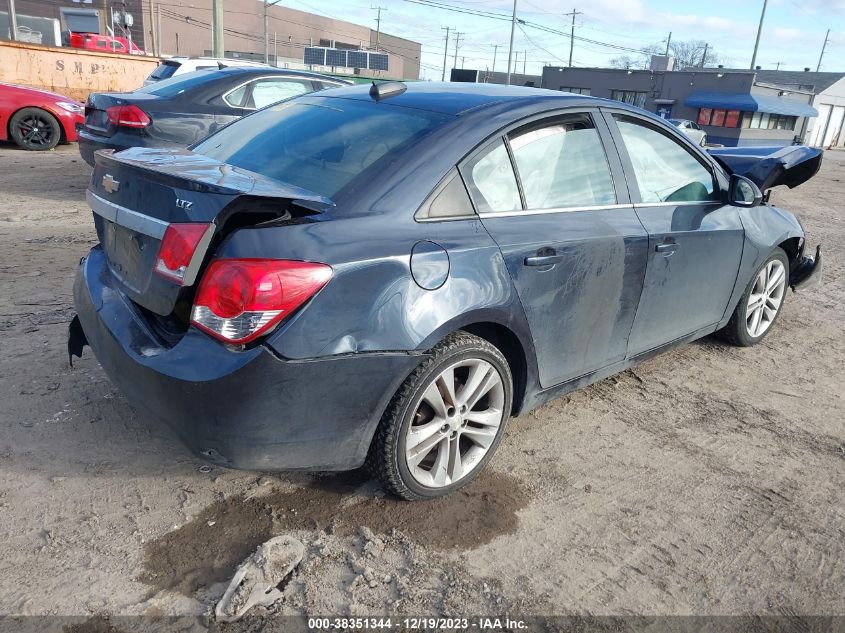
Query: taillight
{"x":178,"y":250}
{"x":240,"y":299}
{"x":128,"y":116}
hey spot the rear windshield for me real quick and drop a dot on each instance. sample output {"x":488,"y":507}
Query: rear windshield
{"x":164,"y":71}
{"x":320,"y":144}
{"x":180,"y":83}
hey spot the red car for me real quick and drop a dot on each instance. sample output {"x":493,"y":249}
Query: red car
{"x":104,"y":43}
{"x":37,"y":119}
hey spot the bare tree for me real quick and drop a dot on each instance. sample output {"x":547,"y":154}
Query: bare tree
{"x":688,"y":55}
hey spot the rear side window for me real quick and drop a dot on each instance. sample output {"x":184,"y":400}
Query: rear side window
{"x":491,"y":181}
{"x":321,"y":144}
{"x":268,"y":91}
{"x":561,"y":163}
{"x":664,"y":169}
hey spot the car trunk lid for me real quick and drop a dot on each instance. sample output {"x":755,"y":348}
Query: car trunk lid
{"x":769,"y":167}
{"x":98,"y":103}
{"x":138,"y":193}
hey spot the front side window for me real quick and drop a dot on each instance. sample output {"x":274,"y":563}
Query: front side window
{"x":491,"y":181}
{"x":665,"y":171}
{"x":562,"y":164}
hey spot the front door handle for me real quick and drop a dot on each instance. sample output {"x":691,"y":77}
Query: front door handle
{"x":667,"y":248}
{"x":543,"y":260}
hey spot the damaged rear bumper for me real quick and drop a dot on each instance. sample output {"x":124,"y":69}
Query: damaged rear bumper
{"x":807,"y":271}
{"x":243,"y":409}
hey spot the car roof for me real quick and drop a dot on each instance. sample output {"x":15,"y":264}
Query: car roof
{"x":456,"y":98}
{"x":270,"y":70}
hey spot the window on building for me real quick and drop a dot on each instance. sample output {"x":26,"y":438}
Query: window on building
{"x":578,"y":91}
{"x":718,"y":118}
{"x":767,"y":121}
{"x":629,"y":96}
{"x":704,"y":115}
{"x":732,"y":118}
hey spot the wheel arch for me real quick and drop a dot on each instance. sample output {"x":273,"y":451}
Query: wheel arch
{"x":516,"y":347}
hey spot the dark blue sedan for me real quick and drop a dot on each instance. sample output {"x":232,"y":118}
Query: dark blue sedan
{"x":386,"y":274}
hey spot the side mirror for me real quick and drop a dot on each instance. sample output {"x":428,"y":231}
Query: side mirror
{"x":744,"y":193}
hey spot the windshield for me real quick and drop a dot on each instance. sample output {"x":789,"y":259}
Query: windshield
{"x":320,"y":144}
{"x":180,"y":83}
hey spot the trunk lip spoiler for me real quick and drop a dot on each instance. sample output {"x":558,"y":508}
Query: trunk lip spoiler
{"x":202,"y":173}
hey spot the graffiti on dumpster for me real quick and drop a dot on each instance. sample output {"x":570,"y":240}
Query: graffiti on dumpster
{"x":80,"y":67}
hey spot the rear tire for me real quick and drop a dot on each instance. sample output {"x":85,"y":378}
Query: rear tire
{"x":35,"y":129}
{"x":445,"y":422}
{"x":761,"y":303}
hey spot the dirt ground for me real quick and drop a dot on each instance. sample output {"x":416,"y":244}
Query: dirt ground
{"x":710,"y":480}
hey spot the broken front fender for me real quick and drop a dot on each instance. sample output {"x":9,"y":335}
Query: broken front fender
{"x":807,"y":272}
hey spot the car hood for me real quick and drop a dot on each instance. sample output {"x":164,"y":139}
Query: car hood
{"x":769,"y":167}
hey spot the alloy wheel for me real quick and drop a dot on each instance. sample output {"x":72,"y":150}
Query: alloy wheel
{"x":455,"y":423}
{"x":765,"y":298}
{"x":36,"y":131}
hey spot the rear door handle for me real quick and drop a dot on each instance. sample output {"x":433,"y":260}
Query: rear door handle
{"x":543,"y":260}
{"x":667,"y":248}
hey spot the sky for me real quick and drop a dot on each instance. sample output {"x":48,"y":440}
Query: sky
{"x":793,"y":32}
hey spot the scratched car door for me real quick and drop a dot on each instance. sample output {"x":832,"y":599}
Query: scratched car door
{"x":695,"y":240}
{"x":550,"y":197}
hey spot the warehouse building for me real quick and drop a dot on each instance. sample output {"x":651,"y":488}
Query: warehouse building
{"x":733,"y":107}
{"x":295,"y":39}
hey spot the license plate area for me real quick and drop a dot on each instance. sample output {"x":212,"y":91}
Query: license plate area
{"x":130,"y":255}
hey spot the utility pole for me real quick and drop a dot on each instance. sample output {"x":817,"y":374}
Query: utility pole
{"x":510,"y":48}
{"x":378,"y":25}
{"x":153,"y":45}
{"x":524,"y":60}
{"x":13,"y":20}
{"x":668,"y":43}
{"x":217,"y":29}
{"x":267,"y":3}
{"x":445,"y":52}
{"x":574,"y":14}
{"x":824,"y":46}
{"x":457,"y":44}
{"x":778,"y":65}
{"x":759,"y":32}
{"x":704,"y":57}
{"x":495,"y":50}
{"x":515,"y":61}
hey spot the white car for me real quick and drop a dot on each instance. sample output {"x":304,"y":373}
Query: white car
{"x":180,"y":65}
{"x":691,"y":129}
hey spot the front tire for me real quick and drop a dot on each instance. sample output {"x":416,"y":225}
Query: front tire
{"x":35,"y":129}
{"x":445,"y":422}
{"x":762,"y":302}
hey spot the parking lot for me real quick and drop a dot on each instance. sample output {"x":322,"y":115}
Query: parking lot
{"x":710,"y":480}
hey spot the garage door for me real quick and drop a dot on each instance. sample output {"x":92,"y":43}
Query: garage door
{"x":819,"y":126}
{"x":834,"y":128}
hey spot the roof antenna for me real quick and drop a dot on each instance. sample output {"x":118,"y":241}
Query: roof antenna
{"x":385,"y":89}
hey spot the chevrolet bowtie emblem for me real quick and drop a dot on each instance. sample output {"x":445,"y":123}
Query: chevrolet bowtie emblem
{"x":110,"y":184}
